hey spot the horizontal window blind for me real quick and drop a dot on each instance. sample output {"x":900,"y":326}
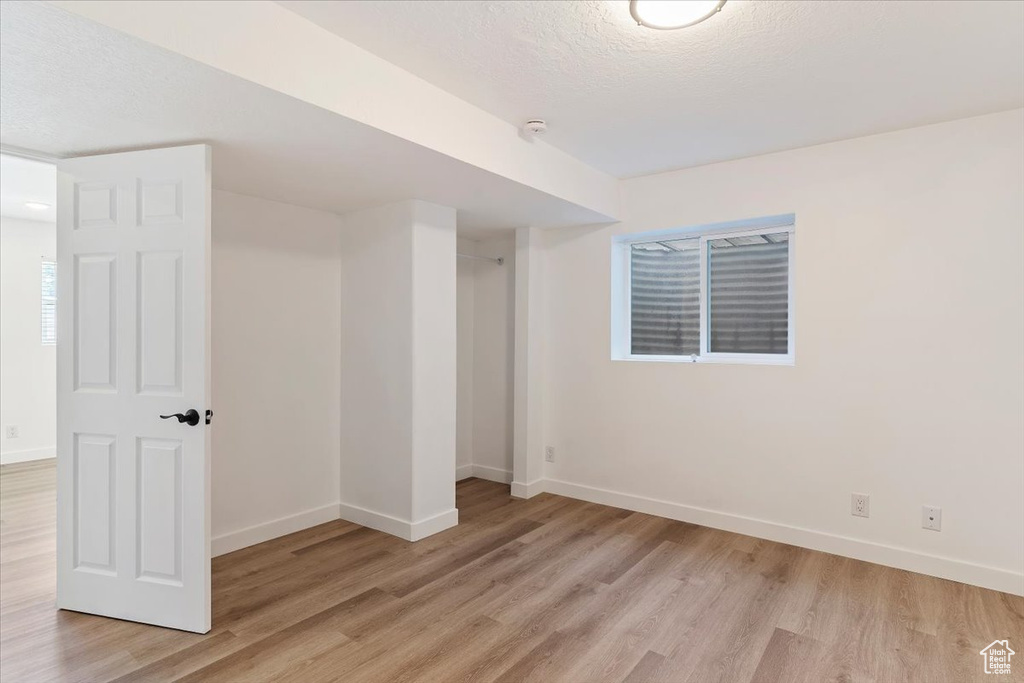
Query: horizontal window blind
{"x":49,"y":303}
{"x":665,"y":297}
{"x":748,"y":290}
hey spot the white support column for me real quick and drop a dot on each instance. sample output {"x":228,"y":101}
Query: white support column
{"x":528,"y":430}
{"x":398,"y":369}
{"x":434,"y":332}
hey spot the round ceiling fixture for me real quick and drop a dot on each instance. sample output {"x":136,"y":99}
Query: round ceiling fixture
{"x":670,"y":14}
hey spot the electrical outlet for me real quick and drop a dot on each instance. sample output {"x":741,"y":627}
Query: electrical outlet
{"x":549,"y":453}
{"x":859,"y":505}
{"x":931,"y":518}
{"x":11,"y":432}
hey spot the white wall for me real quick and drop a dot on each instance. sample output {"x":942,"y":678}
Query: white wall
{"x":486,"y":314}
{"x":493,"y":358}
{"x":434,"y":347}
{"x":276,"y":370}
{"x":465,"y":275}
{"x":909,"y":375}
{"x":398,"y":354}
{"x":28,"y":370}
{"x":376,"y":408}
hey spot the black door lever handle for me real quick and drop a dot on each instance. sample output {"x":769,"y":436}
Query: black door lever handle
{"x":191,"y":417}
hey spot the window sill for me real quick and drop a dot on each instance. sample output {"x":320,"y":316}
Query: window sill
{"x":718,"y":358}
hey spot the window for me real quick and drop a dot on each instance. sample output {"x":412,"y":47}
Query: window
{"x":720,"y":293}
{"x":49,"y":299}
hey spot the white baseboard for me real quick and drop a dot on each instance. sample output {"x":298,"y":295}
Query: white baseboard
{"x":410,"y":531}
{"x":243,"y":538}
{"x":483,"y":472}
{"x":433,"y":525}
{"x":531,"y":489}
{"x":492,"y":474}
{"x":11,"y":457}
{"x":890,"y":556}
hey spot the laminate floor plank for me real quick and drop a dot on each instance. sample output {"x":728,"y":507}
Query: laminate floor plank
{"x":547,"y":589}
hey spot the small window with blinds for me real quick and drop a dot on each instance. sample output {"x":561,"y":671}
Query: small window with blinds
{"x":720,"y":293}
{"x":49,"y":303}
{"x":665,"y":297}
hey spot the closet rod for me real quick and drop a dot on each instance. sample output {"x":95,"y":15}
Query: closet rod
{"x":500,"y":260}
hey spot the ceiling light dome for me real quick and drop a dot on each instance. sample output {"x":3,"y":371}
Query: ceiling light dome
{"x":669,"y":14}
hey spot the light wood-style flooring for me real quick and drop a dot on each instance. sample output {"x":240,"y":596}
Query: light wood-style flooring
{"x":548,"y":589}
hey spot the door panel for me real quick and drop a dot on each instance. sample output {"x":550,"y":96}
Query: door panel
{"x":160,"y":510}
{"x":159,"y":316}
{"x":95,"y":325}
{"x":95,"y":510}
{"x":133,"y":343}
{"x":95,"y":205}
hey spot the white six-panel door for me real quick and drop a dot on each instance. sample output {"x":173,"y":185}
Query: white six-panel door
{"x":133,"y":343}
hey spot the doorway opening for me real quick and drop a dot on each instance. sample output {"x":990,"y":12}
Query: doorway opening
{"x":28,"y":368}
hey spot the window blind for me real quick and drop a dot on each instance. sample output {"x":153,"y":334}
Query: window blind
{"x":665,"y":297}
{"x":49,"y":302}
{"x":748,"y":290}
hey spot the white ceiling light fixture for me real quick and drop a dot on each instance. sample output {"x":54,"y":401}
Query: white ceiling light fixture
{"x":37,"y":206}
{"x":672,"y":14}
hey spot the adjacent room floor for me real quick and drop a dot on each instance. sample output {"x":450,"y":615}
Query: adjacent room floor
{"x":546,"y":589}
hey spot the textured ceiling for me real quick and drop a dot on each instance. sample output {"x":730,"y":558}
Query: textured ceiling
{"x":71,"y":87}
{"x":758,"y":77}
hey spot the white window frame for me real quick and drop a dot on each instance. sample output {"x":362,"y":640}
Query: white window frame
{"x":621,"y":295}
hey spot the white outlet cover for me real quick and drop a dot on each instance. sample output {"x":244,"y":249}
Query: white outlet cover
{"x":549,"y":453}
{"x":931,"y":518}
{"x":860,"y":505}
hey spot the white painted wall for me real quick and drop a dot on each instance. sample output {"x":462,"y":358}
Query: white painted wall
{"x":28,"y":370}
{"x":376,"y":353}
{"x":529,"y":436}
{"x":909,"y":375}
{"x":276,"y":369}
{"x":486,"y":313}
{"x":398,"y":355}
{"x":493,"y":359}
{"x":465,"y":274}
{"x":434,"y":364}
